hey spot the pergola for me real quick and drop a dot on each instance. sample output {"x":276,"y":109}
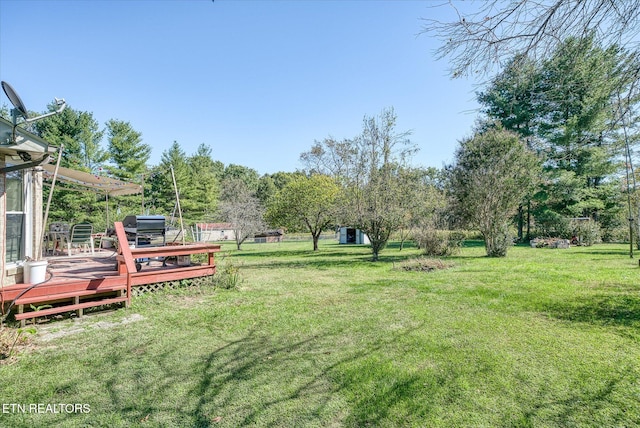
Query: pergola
{"x":98,"y":183}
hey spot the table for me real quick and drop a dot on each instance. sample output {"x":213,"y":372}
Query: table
{"x":57,"y":237}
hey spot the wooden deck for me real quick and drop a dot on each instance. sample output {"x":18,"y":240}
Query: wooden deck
{"x":76,"y":283}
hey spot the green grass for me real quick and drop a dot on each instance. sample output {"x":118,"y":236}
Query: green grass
{"x":541,"y":338}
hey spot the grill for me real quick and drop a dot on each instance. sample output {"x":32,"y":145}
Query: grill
{"x":145,"y":230}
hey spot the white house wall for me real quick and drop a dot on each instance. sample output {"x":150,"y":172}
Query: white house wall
{"x":11,"y":273}
{"x":3,"y":225}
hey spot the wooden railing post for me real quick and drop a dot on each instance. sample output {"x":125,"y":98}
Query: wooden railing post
{"x":123,"y":248}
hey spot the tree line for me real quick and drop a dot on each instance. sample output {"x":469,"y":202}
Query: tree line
{"x":552,"y":155}
{"x":209,"y":190}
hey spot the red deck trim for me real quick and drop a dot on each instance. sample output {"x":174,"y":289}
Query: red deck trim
{"x":174,"y":250}
{"x":108,"y":282}
{"x":129,"y":263}
{"x":67,"y":308}
{"x":97,"y":277}
{"x":63,"y":296}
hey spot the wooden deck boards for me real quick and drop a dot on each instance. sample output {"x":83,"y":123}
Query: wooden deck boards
{"x":99,"y":277}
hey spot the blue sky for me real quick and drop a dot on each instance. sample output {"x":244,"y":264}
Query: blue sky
{"x":257,"y":81}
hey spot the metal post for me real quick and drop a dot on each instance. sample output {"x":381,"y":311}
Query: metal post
{"x":175,"y":186}
{"x":38,"y":252}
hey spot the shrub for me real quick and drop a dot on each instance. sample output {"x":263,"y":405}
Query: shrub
{"x":549,"y":223}
{"x":619,"y":234}
{"x":587,"y":232}
{"x":10,"y":338}
{"x":438,"y":242}
{"x":493,"y":171}
{"x":497,"y":243}
{"x":228,"y":276}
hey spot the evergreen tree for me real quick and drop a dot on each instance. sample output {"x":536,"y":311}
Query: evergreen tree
{"x":205,"y":183}
{"x":81,"y":136}
{"x":249,"y":175}
{"x":567,"y":108}
{"x":127,"y":152}
{"x":270,"y":184}
{"x":162,"y":187}
{"x":79,"y":132}
{"x":129,"y":157}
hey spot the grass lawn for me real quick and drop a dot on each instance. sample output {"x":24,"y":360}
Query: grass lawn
{"x":541,"y":338}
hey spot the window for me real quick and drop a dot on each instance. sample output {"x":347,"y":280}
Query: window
{"x":15,"y":216}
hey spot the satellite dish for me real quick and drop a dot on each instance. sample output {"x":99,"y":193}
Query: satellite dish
{"x":20,"y":109}
{"x":15,"y":100}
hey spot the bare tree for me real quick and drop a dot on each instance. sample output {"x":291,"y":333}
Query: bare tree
{"x":369,"y":168}
{"x":242,"y":209}
{"x":330,"y":157}
{"x":501,"y":30}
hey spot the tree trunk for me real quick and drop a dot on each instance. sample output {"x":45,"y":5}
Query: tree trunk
{"x":520,"y":223}
{"x":377,"y":245}
{"x":315,"y":241}
{"x":528,"y":219}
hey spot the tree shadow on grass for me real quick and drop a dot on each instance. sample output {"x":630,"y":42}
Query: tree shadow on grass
{"x":298,"y":380}
{"x":311,"y":396}
{"x":609,"y":252}
{"x":620,"y":310}
{"x":323,"y":259}
{"x":548,"y":406}
{"x":265,"y":381}
{"x":255,"y":360}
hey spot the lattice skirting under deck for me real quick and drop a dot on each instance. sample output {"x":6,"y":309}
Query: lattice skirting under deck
{"x":139,"y":290}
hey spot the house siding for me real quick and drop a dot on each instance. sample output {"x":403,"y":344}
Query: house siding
{"x":3,"y":236}
{"x":37,"y":211}
{"x":12,"y":273}
{"x":211,"y":232}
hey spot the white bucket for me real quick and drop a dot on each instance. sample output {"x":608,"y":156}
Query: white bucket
{"x":35,"y":272}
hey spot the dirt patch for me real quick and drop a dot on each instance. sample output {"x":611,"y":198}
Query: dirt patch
{"x":185,"y":301}
{"x":48,"y":333}
{"x":424,"y":264}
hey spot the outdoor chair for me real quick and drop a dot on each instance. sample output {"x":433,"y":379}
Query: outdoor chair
{"x":81,"y":235}
{"x":58,"y":232}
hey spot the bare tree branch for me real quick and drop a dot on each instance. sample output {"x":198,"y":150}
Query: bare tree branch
{"x":479,"y":41}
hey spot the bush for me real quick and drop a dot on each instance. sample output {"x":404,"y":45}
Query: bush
{"x":228,"y":276}
{"x":11,"y":338}
{"x":587,"y":232}
{"x":619,"y":234}
{"x":549,"y":223}
{"x":498,"y":244}
{"x":438,"y":242}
